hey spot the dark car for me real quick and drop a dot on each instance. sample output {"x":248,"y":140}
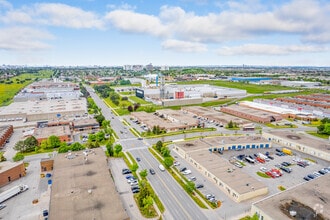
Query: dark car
{"x":311,"y":176}
{"x":301,"y":164}
{"x":198,"y":186}
{"x":307,"y":178}
{"x":270,"y":157}
{"x":285,"y":169}
{"x":152,"y":171}
{"x":135,"y":187}
{"x":45,"y":213}
{"x":135,"y":190}
{"x":138,"y":159}
{"x":126,"y":171}
{"x":278,"y":150}
{"x":323,"y":172}
{"x":183,"y":169}
{"x":285,"y":164}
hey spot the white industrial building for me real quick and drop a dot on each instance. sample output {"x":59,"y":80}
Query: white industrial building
{"x":300,"y":84}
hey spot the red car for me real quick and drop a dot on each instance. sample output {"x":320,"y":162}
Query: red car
{"x":260,"y":160}
{"x":270,"y":174}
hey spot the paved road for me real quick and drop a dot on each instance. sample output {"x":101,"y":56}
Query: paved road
{"x":178,"y":204}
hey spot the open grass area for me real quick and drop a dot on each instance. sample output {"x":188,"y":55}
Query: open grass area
{"x":314,"y":133}
{"x":271,"y":125}
{"x":126,"y":93}
{"x":138,"y":100}
{"x":10,"y":87}
{"x":144,"y":134}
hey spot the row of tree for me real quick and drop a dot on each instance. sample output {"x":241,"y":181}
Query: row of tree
{"x":324,"y":128}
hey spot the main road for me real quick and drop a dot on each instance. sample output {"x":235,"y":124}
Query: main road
{"x":177,"y":203}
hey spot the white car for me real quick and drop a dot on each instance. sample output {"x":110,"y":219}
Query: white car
{"x":186,"y":172}
{"x":2,"y":206}
{"x":263,"y":169}
{"x":176,"y":163}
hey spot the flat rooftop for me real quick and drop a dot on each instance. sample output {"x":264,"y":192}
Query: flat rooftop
{"x":314,"y":194}
{"x":237,"y":180}
{"x":84,"y":189}
{"x":45,"y":106}
{"x":6,"y":165}
{"x":303,"y":139}
{"x":212,"y":114}
{"x":250,"y":111}
{"x":54,"y":130}
{"x":207,"y":143}
{"x":85,"y":122}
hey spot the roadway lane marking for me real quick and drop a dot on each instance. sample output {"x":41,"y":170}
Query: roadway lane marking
{"x":184,"y":210}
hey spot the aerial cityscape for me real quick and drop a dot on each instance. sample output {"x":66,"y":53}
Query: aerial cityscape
{"x":189,"y":109}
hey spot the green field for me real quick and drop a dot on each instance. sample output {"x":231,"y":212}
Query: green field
{"x":138,"y":100}
{"x":8,"y":91}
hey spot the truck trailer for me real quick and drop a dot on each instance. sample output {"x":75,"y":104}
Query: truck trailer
{"x":12,"y":192}
{"x":287,"y":151}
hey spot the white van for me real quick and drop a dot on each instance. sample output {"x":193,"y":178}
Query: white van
{"x":161,"y":167}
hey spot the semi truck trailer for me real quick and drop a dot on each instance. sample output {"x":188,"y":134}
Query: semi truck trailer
{"x":12,"y":192}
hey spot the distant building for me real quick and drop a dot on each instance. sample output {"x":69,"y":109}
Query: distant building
{"x":46,"y":165}
{"x":62,"y":132}
{"x":301,"y":84}
{"x":5,"y":133}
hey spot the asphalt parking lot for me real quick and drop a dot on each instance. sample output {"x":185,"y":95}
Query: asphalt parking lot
{"x":287,"y":180}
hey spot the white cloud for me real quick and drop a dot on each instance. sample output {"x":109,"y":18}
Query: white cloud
{"x":62,"y":15}
{"x":23,"y":38}
{"x":130,"y":21}
{"x":267,"y":49}
{"x":183,"y":46}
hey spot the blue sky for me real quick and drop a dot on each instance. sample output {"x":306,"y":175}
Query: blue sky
{"x":181,"y":32}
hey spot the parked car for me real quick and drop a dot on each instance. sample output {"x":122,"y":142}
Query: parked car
{"x":138,"y":159}
{"x":270,"y":174}
{"x":152,"y":171}
{"x":286,"y":169}
{"x":263,"y":169}
{"x":238,"y":165}
{"x":199,"y":186}
{"x":193,"y":178}
{"x":301,"y":164}
{"x":307,"y":178}
{"x":183,"y":169}
{"x":2,"y":206}
{"x":311,"y":176}
{"x":186,"y":172}
{"x":135,"y":190}
{"x":323,"y":171}
{"x":270,"y":157}
{"x":129,"y":177}
{"x":126,"y":171}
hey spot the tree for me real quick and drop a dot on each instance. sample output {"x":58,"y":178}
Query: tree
{"x":190,"y":186}
{"x":30,"y":142}
{"x":92,"y":137}
{"x":168,"y":162}
{"x":109,"y":149}
{"x":2,"y":157}
{"x":105,"y":124}
{"x":100,"y":136}
{"x":18,"y":157}
{"x":165,"y":152}
{"x":63,"y":149}
{"x":100,"y":118}
{"x":76,"y":146}
{"x":20,"y":146}
{"x":136,"y":106}
{"x":147,"y":203}
{"x":144,"y":173}
{"x":53,"y":142}
{"x":134,"y":167}
{"x":230,"y":124}
{"x":130,"y":108}
{"x":118,"y":148}
{"x":159,"y":145}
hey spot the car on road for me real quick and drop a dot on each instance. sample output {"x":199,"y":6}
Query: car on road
{"x":186,"y":172}
{"x":176,"y":163}
{"x":138,"y":159}
{"x":152,"y":171}
{"x":199,"y":186}
{"x":140,"y":138}
{"x":161,"y":167}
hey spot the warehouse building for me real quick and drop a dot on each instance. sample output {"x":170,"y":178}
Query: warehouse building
{"x":300,"y":84}
{"x":10,"y":171}
{"x":213,"y":115}
{"x":238,"y":185}
{"x":168,"y":120}
{"x":89,"y":124}
{"x":309,"y":200}
{"x":251,"y":114}
{"x":300,"y":142}
{"x":5,"y":133}
{"x":83,"y":188}
{"x":62,"y":132}
{"x":43,"y":110}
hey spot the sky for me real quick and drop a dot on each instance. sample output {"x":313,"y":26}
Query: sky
{"x":181,"y":32}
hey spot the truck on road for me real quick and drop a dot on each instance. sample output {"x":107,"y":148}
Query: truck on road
{"x":12,"y":192}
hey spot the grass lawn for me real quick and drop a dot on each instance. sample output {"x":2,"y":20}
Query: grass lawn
{"x":138,"y":100}
{"x":314,"y":133}
{"x":126,"y":93}
{"x":280,"y":126}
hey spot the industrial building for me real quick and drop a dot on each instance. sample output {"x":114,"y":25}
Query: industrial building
{"x":82,"y":188}
{"x":43,"y":110}
{"x":45,"y":90}
{"x":213,"y":116}
{"x":309,"y":200}
{"x":305,"y":84}
{"x":5,"y":133}
{"x":308,"y":100}
{"x":202,"y":154}
{"x":62,"y":132}
{"x":89,"y":124}
{"x":11,"y":171}
{"x":168,"y":120}
{"x":300,"y":142}
{"x":251,"y":114}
